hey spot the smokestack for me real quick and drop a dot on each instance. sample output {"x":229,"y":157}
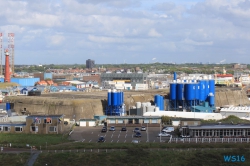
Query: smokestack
{"x":7,"y":67}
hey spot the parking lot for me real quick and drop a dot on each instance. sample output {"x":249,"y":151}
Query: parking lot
{"x":92,"y":134}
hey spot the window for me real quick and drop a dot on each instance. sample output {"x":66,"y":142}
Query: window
{"x":1,"y":128}
{"x":52,"y":128}
{"x":37,"y":121}
{"x":18,"y":128}
{"x":47,"y":120}
{"x":34,"y":128}
{"x":6,"y":128}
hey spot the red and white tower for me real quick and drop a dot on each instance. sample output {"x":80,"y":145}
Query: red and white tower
{"x":11,"y":39}
{"x":7,"y":67}
{"x":1,"y":57}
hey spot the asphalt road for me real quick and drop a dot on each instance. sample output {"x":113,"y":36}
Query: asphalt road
{"x":92,"y":134}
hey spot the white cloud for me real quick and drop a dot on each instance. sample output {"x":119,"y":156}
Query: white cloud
{"x":56,"y":39}
{"x":154,"y":33}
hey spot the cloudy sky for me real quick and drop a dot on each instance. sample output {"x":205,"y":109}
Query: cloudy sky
{"x":127,"y":31}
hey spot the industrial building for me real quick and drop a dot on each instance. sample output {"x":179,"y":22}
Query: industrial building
{"x":132,"y":78}
{"x":217,"y":131}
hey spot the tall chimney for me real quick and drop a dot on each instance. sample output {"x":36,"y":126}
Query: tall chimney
{"x":7,"y":67}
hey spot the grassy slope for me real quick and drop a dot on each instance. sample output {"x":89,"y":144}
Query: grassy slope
{"x":7,"y":84}
{"x":229,"y":119}
{"x":13,"y":159}
{"x":143,"y":158}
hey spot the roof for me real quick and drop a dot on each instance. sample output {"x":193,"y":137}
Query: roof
{"x":231,"y":126}
{"x":41,"y":116}
{"x":185,"y":119}
{"x":12,"y":124}
{"x":224,"y":75}
{"x":133,"y":117}
{"x":87,"y":120}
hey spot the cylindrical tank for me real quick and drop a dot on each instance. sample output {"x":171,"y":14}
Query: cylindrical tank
{"x":143,"y":107}
{"x":206,"y":89}
{"x":148,"y":104}
{"x":158,"y":101}
{"x":150,"y":108}
{"x":175,"y":76}
{"x":114,"y":97}
{"x":173,"y":91}
{"x":211,"y":99}
{"x":180,"y":91}
{"x":197,"y":91}
{"x":118,"y":98}
{"x":109,"y":97}
{"x":189,"y":91}
{"x":202,"y":90}
{"x":206,"y":104}
{"x":157,"y":109}
{"x":212,"y":86}
{"x":138,"y":105}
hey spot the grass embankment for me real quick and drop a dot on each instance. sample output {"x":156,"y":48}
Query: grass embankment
{"x":230,"y":119}
{"x":4,"y":85}
{"x":21,"y":140}
{"x":143,"y":158}
{"x":13,"y":159}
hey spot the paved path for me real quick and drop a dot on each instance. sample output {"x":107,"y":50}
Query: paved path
{"x":32,"y":159}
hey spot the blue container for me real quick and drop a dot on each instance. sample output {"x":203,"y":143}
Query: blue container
{"x":189,"y":91}
{"x":175,"y":76}
{"x":197,"y":91}
{"x":115,"y":99}
{"x":212,"y":86}
{"x":156,"y":100}
{"x":118,"y":98}
{"x":206,"y":89}
{"x":180,"y":91}
{"x":109,"y":99}
{"x":211,"y":100}
{"x":122,"y":98}
{"x":173,"y":91}
{"x":7,"y":106}
{"x":202,"y":90}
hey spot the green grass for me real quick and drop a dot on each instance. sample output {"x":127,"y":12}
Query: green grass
{"x":20,"y":140}
{"x":142,"y":157}
{"x":229,"y":119}
{"x":13,"y":159}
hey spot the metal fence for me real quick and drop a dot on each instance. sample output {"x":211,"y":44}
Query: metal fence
{"x":208,"y":140}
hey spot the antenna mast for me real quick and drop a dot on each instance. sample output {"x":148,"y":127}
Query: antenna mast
{"x":11,"y":37}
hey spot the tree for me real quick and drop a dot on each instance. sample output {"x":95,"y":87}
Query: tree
{"x":166,"y":120}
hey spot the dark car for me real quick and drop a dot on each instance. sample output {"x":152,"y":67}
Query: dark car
{"x":104,"y":129}
{"x":136,"y":130}
{"x":124,"y":129}
{"x":138,"y":134}
{"x":101,"y":139}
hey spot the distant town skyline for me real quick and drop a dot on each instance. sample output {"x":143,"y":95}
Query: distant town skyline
{"x":131,"y":31}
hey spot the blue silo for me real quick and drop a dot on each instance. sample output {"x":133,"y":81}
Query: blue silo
{"x":211,"y":99}
{"x":155,"y":100}
{"x":173,"y":91}
{"x":118,"y":98}
{"x":175,"y":76}
{"x":189,"y":91}
{"x":202,"y":90}
{"x":180,"y":91}
{"x":206,"y":89}
{"x":212,"y":86}
{"x":197,"y":91}
{"x":109,"y":98}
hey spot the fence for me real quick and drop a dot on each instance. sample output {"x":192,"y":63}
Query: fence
{"x":208,"y":140}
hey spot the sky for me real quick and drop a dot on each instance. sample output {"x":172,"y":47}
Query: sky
{"x":127,"y":31}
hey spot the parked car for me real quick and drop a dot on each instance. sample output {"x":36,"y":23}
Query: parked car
{"x":112,"y":128}
{"x":135,"y":141}
{"x":124,"y":129}
{"x":101,"y":139}
{"x":138,"y":134}
{"x":143,"y":128}
{"x":164,"y":134}
{"x":104,"y":129}
{"x":136,"y":130}
{"x":167,"y":129}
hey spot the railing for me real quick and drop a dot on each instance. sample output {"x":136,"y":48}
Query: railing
{"x":209,"y":140}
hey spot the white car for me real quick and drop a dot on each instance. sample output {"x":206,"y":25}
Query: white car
{"x":143,"y":128}
{"x":112,"y":128}
{"x":164,"y":134}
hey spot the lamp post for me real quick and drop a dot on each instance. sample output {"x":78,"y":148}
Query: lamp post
{"x":147,"y":132}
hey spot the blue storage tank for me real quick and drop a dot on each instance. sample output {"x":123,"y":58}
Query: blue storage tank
{"x":118,"y":98}
{"x":180,"y":91}
{"x":206,"y":89}
{"x":197,"y":91}
{"x":7,"y":106}
{"x":175,"y":76}
{"x":189,"y":91}
{"x":212,"y":86}
{"x":173,"y":91}
{"x":211,"y":99}
{"x":109,"y":98}
{"x":115,"y":99}
{"x":202,"y":90}
{"x":122,"y":97}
